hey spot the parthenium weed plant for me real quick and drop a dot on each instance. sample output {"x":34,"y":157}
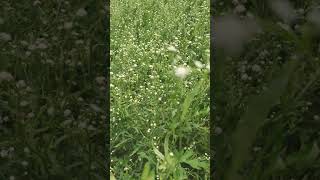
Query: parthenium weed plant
{"x":160,"y":89}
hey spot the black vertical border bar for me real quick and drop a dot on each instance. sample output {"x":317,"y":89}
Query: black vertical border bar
{"x":211,"y":143}
{"x":108,"y":61}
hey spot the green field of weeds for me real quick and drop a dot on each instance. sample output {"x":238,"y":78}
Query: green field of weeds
{"x":160,"y":89}
{"x":53,"y":86}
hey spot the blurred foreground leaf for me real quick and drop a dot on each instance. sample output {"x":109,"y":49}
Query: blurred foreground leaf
{"x":148,"y":173}
{"x":257,"y":111}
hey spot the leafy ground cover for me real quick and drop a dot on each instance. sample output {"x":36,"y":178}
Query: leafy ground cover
{"x":160,"y":89}
{"x":266,"y":94}
{"x":53,"y":90}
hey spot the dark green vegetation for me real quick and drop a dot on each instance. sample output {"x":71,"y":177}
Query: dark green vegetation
{"x":159,"y":89}
{"x":52,"y":90}
{"x":267,"y":95}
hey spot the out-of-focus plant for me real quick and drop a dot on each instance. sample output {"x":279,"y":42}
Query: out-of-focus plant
{"x":233,"y":144}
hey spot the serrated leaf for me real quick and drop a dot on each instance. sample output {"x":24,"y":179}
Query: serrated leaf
{"x":187,"y":155}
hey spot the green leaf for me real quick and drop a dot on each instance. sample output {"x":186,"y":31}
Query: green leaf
{"x":166,"y":145}
{"x":305,"y":157}
{"x":254,"y":117}
{"x":190,"y":97}
{"x":187,"y":157}
{"x":148,"y":173}
{"x":112,"y":176}
{"x":197,"y":164}
{"x":58,"y":141}
{"x":188,"y":154}
{"x":158,"y":153}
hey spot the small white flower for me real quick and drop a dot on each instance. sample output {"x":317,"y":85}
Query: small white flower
{"x":6,"y":119}
{"x":256,"y":68}
{"x":171,"y":154}
{"x":67,"y":25}
{"x":199,"y":64}
{"x":50,"y":111}
{"x":42,"y":45}
{"x":182,"y":72}
{"x":36,"y":2}
{"x":172,"y":49}
{"x":244,"y":76}
{"x":235,"y":2}
{"x":29,"y":89}
{"x":95,"y":108}
{"x":32,"y":47}
{"x":21,"y":84}
{"x":4,"y":153}
{"x":30,"y":115}
{"x":67,"y":112}
{"x":24,"y":103}
{"x":82,"y":125}
{"x":24,"y":163}
{"x":79,"y":41}
{"x":24,"y":43}
{"x":91,"y":128}
{"x":100,"y":80}
{"x":66,"y":122}
{"x":218,"y":130}
{"x":26,"y":150}
{"x":5,"y":37}
{"x":81,"y":12}
{"x":28,"y":53}
{"x":256,"y":148}
{"x":5,"y":76}
{"x":240,"y":9}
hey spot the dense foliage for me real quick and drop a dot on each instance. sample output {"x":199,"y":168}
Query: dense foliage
{"x":160,"y":89}
{"x":266,"y":90}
